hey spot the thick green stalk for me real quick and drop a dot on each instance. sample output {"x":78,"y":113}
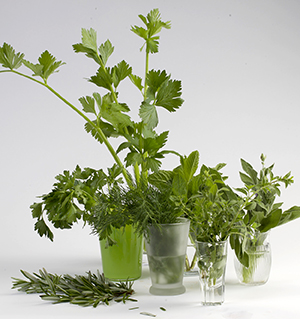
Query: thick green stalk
{"x":99,"y":131}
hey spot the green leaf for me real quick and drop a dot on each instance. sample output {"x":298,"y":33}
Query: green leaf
{"x":161,"y":179}
{"x":154,"y":25}
{"x":148,"y":114}
{"x":251,"y":206}
{"x":190,"y":165}
{"x":114,"y":115}
{"x":168,"y":95}
{"x":88,"y":104}
{"x":164,"y":91}
{"x":43,"y":229}
{"x":289,"y":215}
{"x":98,"y":100}
{"x":120,"y":72}
{"x":246,"y":179}
{"x":179,"y":185}
{"x":102,"y":78}
{"x":154,"y":80}
{"x":152,"y":164}
{"x":8,"y":57}
{"x":106,"y":50}
{"x":270,"y":221}
{"x":132,"y":158}
{"x":137,"y":81}
{"x":123,"y":146}
{"x":89,"y":39}
{"x":37,"y":210}
{"x":88,"y":45}
{"x":249,"y":170}
{"x":47,"y":65}
{"x":242,"y":190}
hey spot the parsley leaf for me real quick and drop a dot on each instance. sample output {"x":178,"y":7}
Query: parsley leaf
{"x":88,"y":104}
{"x":47,"y":65}
{"x":106,"y":49}
{"x":120,"y":72}
{"x":8,"y":57}
{"x":154,"y":25}
{"x":148,"y":114}
{"x":43,"y":229}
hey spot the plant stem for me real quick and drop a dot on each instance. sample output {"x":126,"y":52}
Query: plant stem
{"x":146,"y":72}
{"x":99,"y":131}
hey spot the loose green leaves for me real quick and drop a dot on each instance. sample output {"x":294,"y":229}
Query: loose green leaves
{"x":9,"y":58}
{"x":71,"y":199}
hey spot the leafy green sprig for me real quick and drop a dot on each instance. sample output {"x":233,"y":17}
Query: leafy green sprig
{"x":72,"y":198}
{"x":261,"y":212}
{"x":111,"y":117}
{"x":105,"y":117}
{"x":89,"y":290}
{"x":211,"y":205}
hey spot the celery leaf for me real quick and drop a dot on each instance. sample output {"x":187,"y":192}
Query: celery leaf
{"x":8,"y":57}
{"x":47,"y":65}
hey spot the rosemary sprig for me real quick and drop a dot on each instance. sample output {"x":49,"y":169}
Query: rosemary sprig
{"x":89,"y":290}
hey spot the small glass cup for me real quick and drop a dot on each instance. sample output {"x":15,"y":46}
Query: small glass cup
{"x":258,"y":250}
{"x":212,"y":260}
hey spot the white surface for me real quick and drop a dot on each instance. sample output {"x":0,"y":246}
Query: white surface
{"x":240,"y":70}
{"x":278,"y":299}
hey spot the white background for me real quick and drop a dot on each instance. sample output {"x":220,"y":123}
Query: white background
{"x":240,"y":70}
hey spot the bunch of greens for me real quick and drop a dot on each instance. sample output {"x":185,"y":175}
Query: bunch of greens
{"x":211,"y":205}
{"x":261,"y":213}
{"x":89,"y":290}
{"x":72,"y":198}
{"x":141,"y":206}
{"x":105,"y":117}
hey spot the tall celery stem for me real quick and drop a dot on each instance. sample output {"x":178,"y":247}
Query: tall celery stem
{"x":99,"y":131}
{"x":146,"y":72}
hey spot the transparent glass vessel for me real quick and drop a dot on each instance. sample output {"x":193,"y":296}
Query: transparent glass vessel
{"x":191,"y":267}
{"x":258,"y":249}
{"x":166,"y":250}
{"x":212,"y":260}
{"x":123,"y":261}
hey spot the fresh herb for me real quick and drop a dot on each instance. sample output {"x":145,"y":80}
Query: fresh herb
{"x":210,"y":204}
{"x":105,"y":117}
{"x":111,"y":117}
{"x":72,"y":198}
{"x":141,"y":206}
{"x":261,"y":212}
{"x":89,"y":290}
